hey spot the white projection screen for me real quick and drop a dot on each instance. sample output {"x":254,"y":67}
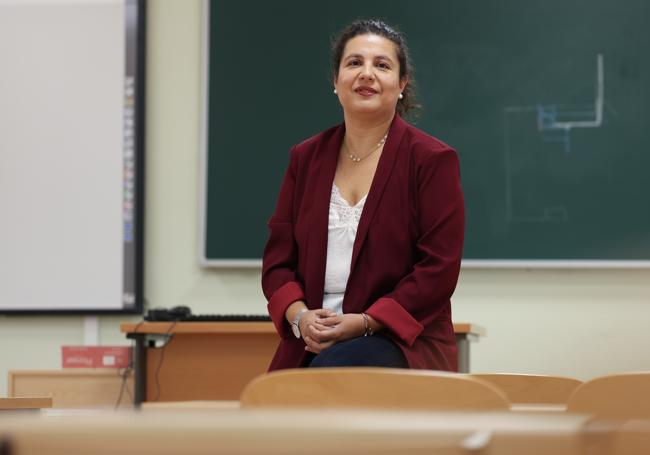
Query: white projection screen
{"x":71,"y":156}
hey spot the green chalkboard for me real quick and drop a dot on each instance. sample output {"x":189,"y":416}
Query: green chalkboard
{"x":547,"y":103}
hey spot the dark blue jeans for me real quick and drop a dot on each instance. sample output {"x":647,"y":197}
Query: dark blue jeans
{"x":374,"y":351}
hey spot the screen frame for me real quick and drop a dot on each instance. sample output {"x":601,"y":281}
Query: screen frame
{"x":133,"y":180}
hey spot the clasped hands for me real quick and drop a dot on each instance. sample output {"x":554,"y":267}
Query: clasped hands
{"x":322,"y":328}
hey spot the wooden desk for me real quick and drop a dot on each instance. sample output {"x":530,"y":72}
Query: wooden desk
{"x":215,"y":360}
{"x":73,"y":387}
{"x":315,"y":431}
{"x":25,"y":403}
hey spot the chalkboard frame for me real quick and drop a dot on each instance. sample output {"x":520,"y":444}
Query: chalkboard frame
{"x":206,"y":261}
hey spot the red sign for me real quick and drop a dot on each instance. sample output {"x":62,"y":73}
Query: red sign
{"x":96,"y":356}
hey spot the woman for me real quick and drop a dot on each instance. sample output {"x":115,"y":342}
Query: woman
{"x":366,"y":239}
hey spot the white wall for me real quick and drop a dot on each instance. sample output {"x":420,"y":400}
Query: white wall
{"x":580,"y":323}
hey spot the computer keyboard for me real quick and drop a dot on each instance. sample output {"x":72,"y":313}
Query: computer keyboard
{"x":184,"y":314}
{"x":225,"y":318}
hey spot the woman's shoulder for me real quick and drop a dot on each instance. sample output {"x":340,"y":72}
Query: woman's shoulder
{"x":424,"y":146}
{"x":310,"y":144}
{"x":430,"y":154}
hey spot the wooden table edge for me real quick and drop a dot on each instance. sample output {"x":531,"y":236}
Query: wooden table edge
{"x":16,"y":403}
{"x":264,"y":327}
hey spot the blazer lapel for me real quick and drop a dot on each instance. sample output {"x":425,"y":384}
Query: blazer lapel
{"x":382,"y":174}
{"x":327,"y":158}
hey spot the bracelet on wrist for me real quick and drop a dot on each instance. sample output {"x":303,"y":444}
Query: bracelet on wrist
{"x":367,"y":330}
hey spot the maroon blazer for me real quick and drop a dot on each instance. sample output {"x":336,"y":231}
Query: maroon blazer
{"x":406,"y":255}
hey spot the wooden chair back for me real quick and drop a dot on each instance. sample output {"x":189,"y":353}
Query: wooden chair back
{"x":530,"y":388}
{"x":387,"y":388}
{"x":624,"y":395}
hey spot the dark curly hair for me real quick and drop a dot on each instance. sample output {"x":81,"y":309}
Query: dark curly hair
{"x":408,"y":104}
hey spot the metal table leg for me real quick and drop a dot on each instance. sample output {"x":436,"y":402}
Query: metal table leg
{"x":462,"y":343}
{"x":140,"y":367}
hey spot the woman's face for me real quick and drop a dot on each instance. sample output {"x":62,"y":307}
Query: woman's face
{"x":368,"y":81}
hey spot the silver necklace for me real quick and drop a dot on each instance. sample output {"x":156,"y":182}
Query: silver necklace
{"x":357,"y":159}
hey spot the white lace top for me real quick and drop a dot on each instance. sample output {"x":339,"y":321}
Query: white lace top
{"x":342,"y":230}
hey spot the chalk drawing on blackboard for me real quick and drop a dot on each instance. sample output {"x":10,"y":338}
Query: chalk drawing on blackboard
{"x":533,"y":137}
{"x":548,"y":116}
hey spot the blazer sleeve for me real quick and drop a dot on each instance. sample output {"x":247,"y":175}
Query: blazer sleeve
{"x":280,"y":283}
{"x":441,"y":222}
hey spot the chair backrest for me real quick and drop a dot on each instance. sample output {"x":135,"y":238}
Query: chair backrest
{"x":624,"y":395}
{"x":388,"y":388}
{"x":529,"y":388}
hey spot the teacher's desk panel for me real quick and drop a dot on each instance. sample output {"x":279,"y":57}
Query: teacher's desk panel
{"x":215,"y":360}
